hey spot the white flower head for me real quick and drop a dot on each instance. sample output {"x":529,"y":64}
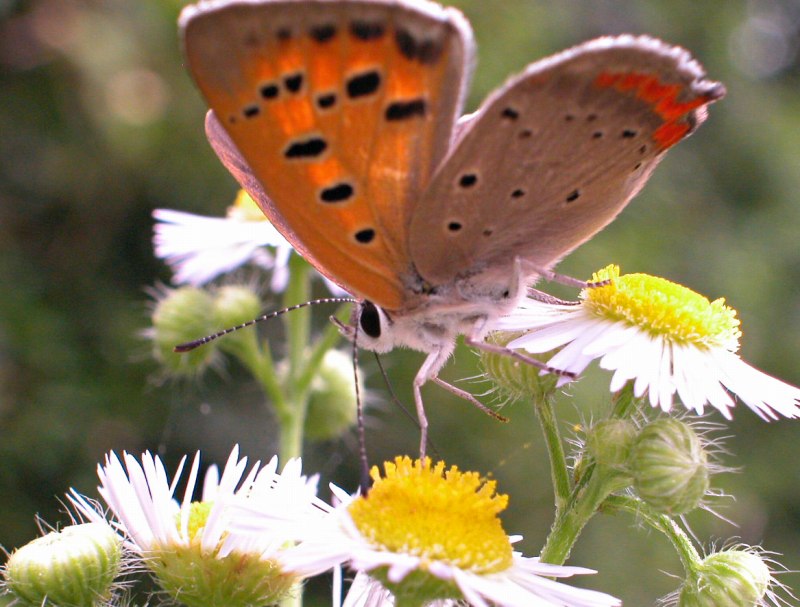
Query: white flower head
{"x":425,"y":534}
{"x":662,"y":336}
{"x":199,"y":249}
{"x":190,"y":545}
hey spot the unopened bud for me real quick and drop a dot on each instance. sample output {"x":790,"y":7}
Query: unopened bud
{"x":74,"y":567}
{"x":669,"y":466}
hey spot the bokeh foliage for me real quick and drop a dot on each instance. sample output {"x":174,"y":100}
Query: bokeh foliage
{"x":99,"y":125}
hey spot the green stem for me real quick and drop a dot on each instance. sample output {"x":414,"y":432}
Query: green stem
{"x":298,"y":329}
{"x":555,"y":449}
{"x":690,"y":558}
{"x":259,"y":362}
{"x":329,"y":338}
{"x":583,"y":503}
{"x":625,"y":403}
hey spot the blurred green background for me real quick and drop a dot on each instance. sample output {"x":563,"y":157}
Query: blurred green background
{"x":99,"y":125}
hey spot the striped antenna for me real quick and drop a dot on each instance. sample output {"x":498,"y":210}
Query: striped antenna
{"x":191,"y":345}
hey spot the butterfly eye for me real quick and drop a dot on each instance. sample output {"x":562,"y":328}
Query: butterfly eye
{"x":370,"y":320}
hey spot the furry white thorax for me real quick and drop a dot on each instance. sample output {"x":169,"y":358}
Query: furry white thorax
{"x":465,"y":307}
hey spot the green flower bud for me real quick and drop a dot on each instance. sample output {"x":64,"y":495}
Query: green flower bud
{"x":332,"y":406}
{"x":74,"y":567}
{"x":198,"y":577}
{"x":731,"y":577}
{"x":515,"y":379}
{"x":610,"y":442}
{"x":183,"y":315}
{"x":418,"y":588}
{"x":235,"y":305}
{"x":669,"y":466}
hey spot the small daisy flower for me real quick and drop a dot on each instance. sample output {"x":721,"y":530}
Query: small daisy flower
{"x":189,"y":546}
{"x":425,"y":534}
{"x":198,"y":249}
{"x":662,"y":336}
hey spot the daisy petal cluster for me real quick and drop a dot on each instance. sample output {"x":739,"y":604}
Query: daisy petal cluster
{"x":424,"y":535}
{"x":190,"y":546}
{"x":198,"y":249}
{"x":661,"y":336}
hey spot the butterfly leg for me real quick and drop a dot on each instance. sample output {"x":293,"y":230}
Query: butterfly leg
{"x":563,"y":279}
{"x":503,"y":351}
{"x":469,"y":398}
{"x":427,"y":372}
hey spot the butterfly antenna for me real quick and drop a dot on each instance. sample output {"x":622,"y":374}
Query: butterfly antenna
{"x":364,"y":482}
{"x":191,"y":345}
{"x":396,"y":400}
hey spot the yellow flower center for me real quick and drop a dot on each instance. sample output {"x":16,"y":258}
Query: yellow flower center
{"x":198,"y":515}
{"x":435,"y":514}
{"x":245,"y":209}
{"x":663,"y":309}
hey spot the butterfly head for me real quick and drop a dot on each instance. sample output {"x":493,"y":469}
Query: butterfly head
{"x":370,"y":325}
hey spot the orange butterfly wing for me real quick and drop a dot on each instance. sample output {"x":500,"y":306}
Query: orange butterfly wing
{"x":341,"y":111}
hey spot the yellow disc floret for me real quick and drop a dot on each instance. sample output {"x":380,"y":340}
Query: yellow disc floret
{"x":435,"y":514}
{"x":245,"y":209}
{"x":663,"y":309}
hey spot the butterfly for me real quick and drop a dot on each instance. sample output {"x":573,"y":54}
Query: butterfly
{"x":341,"y":119}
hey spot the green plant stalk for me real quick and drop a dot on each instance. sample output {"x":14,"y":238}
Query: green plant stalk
{"x":690,"y":558}
{"x":298,"y":329}
{"x":559,"y":471}
{"x":329,"y":338}
{"x":259,"y":362}
{"x":584,"y":501}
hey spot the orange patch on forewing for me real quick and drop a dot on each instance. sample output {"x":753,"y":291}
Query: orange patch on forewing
{"x":662,"y":99}
{"x":293,"y":116}
{"x":326,"y":172}
{"x":325,"y":67}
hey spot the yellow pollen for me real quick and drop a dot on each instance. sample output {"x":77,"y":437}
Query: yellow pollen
{"x":245,"y":209}
{"x":198,"y":515}
{"x":435,"y":514}
{"x":663,"y":309}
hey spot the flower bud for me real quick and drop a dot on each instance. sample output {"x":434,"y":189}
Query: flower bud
{"x":731,"y":577}
{"x":182,"y":315}
{"x":197,"y":576}
{"x":332,"y":406}
{"x":235,"y":305}
{"x":514,"y":378}
{"x":610,"y":441}
{"x":74,"y":567}
{"x":669,"y":466}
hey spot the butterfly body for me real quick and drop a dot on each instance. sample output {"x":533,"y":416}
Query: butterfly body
{"x":340,"y":119}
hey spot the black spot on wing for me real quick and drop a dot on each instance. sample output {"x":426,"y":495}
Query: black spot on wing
{"x":293,"y":82}
{"x":323,"y":33}
{"x":573,"y":195}
{"x":268,"y":90}
{"x":367,"y":30}
{"x":365,"y":236}
{"x":362,"y":85}
{"x":251,"y":111}
{"x":509,"y":114}
{"x":425,"y":51}
{"x":403,"y":110}
{"x":306,"y":148}
{"x":326,"y":100}
{"x":468,"y":180}
{"x":339,"y":192}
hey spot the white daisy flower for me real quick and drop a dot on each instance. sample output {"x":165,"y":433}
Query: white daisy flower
{"x":189,"y":546}
{"x":198,"y":249}
{"x":428,"y":536}
{"x":662,"y":336}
